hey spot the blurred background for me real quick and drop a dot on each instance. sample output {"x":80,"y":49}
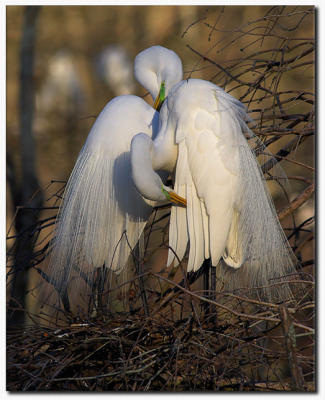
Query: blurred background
{"x":64,"y":63}
{"x":84,"y":57}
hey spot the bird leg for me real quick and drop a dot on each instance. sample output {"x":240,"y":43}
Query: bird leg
{"x":98,"y":290}
{"x":213,"y":282}
{"x":206,"y":278}
{"x":209,"y":286}
{"x":213,"y":308}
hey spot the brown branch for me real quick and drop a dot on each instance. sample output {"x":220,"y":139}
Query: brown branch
{"x":297,"y":380}
{"x":225,"y":71}
{"x":297,"y":202}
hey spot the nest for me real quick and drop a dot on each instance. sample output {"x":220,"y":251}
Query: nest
{"x":231,"y":343}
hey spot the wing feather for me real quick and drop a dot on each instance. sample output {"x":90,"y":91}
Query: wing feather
{"x":240,"y":218}
{"x":178,"y":231}
{"x":102,"y":216}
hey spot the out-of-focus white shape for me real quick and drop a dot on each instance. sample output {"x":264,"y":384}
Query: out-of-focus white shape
{"x":115,"y":69}
{"x":62,"y":91}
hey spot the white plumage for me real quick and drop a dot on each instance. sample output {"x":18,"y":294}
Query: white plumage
{"x":229,"y":215}
{"x":102,"y":215}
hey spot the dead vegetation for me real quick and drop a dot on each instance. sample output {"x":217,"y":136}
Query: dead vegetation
{"x":237,"y":344}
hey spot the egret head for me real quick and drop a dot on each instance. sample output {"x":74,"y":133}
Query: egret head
{"x":158,"y":69}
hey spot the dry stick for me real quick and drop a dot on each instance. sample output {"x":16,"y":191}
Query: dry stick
{"x":216,"y":22}
{"x":299,"y":96}
{"x":297,"y":202}
{"x":238,"y":314}
{"x":187,"y":285}
{"x":300,"y":228}
{"x":150,"y":230}
{"x":294,"y":162}
{"x":297,"y":380}
{"x":281,"y":154}
{"x":251,"y":33}
{"x":227,"y":72}
{"x":136,"y":259}
{"x":192,"y":24}
{"x":299,"y":178}
{"x":171,"y":293}
{"x":309,"y":238}
{"x":130,"y":372}
{"x":270,"y":64}
{"x":265,"y":63}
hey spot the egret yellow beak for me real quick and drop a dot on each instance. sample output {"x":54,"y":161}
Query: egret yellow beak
{"x":177,"y":200}
{"x":160,"y":98}
{"x":173,"y":197}
{"x":158,"y":103}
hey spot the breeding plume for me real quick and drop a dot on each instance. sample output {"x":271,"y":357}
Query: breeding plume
{"x":102,"y":215}
{"x":230,"y":217}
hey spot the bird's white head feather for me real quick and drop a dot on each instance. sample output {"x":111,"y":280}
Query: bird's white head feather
{"x":155,"y":65}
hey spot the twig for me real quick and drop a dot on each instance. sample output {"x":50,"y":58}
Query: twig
{"x":297,"y":380}
{"x":297,"y":202}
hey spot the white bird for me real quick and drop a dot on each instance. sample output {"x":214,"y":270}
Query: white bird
{"x":102,"y":215}
{"x":229,"y":215}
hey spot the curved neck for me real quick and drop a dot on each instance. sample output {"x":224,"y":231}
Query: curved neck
{"x":164,"y":151}
{"x":145,"y":179}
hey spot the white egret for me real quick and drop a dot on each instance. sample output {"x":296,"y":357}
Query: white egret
{"x":229,"y":215}
{"x":102,"y":215}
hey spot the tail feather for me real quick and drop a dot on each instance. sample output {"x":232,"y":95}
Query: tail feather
{"x":234,"y":252}
{"x":257,"y":242}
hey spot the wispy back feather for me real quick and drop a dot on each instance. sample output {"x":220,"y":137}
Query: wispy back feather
{"x":102,"y":216}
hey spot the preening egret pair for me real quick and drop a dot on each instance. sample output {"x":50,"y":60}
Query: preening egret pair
{"x":222,"y":208}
